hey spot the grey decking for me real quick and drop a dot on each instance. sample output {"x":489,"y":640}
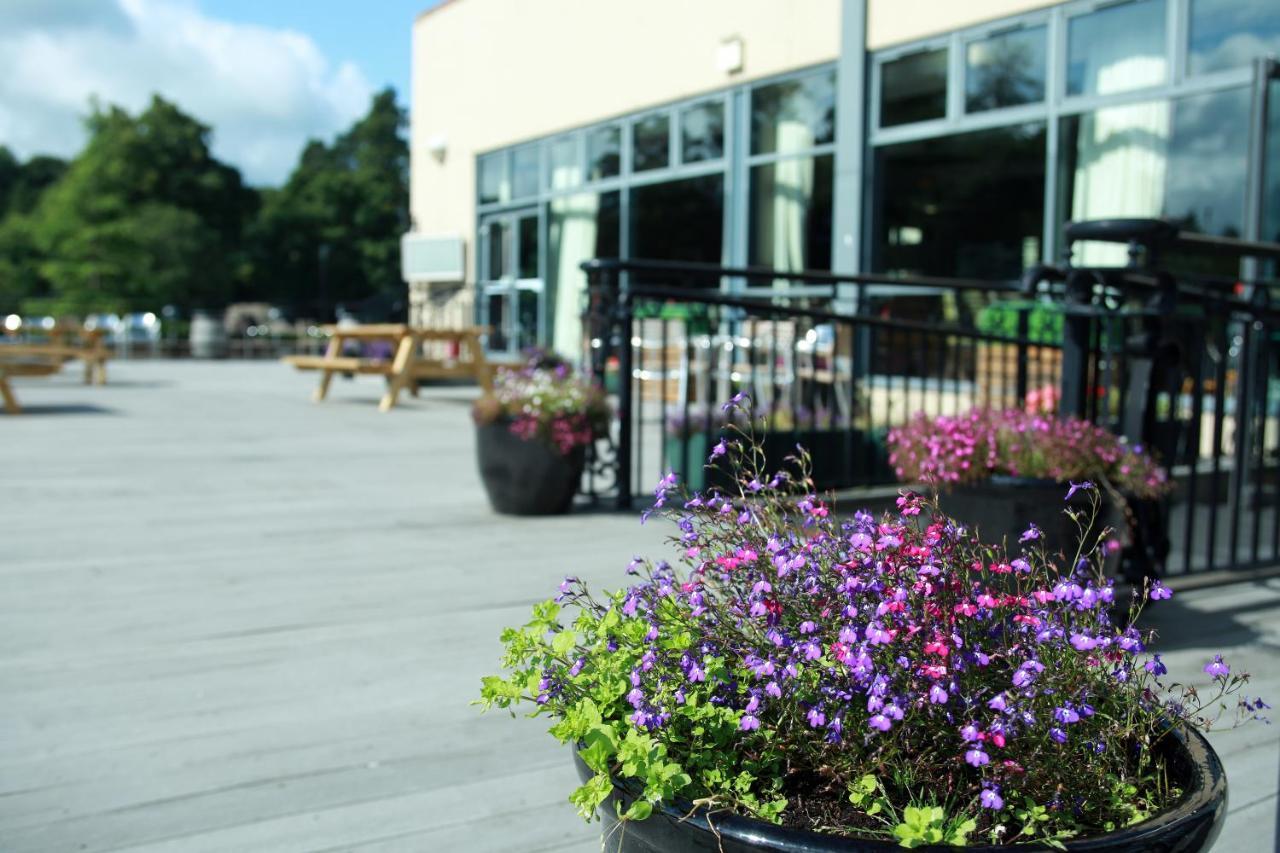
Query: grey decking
{"x":233,"y":620}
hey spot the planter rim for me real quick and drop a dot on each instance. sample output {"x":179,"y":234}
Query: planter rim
{"x":1205,"y":791}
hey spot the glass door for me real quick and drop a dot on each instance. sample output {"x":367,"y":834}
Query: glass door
{"x":511,"y":290}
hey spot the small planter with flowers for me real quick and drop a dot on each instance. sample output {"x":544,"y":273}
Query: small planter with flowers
{"x":532,"y":435}
{"x":792,"y":681}
{"x":999,"y":469}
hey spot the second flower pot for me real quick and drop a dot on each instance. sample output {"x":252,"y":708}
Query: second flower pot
{"x":526,"y":477}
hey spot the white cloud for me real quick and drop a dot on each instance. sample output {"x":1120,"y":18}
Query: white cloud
{"x":263,"y":91}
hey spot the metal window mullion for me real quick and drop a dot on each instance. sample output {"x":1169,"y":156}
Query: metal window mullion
{"x":1054,"y":85}
{"x":737,"y":151}
{"x":955,"y":79}
{"x":1177,"y":16}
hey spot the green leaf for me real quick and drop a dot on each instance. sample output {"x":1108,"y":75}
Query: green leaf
{"x":639,"y":810}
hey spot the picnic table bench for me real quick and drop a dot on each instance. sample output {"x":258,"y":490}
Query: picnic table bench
{"x":66,"y":344}
{"x":408,"y":362}
{"x":22,"y":367}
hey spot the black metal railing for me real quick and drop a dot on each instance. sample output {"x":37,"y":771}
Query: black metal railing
{"x":829,"y":360}
{"x":1187,"y":363}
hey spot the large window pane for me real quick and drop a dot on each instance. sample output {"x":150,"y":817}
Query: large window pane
{"x":524,"y":167}
{"x":678,"y":220}
{"x":970,"y":205}
{"x":650,"y":139}
{"x":1005,"y":70}
{"x":702,"y":132}
{"x":1117,"y":49}
{"x":913,"y":88}
{"x":604,"y":152}
{"x":527,"y":264}
{"x":564,"y":169}
{"x":1271,"y":191}
{"x":494,"y":186}
{"x":791,"y":214}
{"x":793,"y":115}
{"x":579,"y":227}
{"x":1184,"y":161}
{"x":1230,"y":33}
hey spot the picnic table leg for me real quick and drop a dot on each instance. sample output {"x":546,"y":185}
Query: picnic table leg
{"x":10,"y":402}
{"x":326,"y":376}
{"x":400,"y":376}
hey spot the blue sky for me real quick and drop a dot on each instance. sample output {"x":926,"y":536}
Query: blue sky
{"x":265,"y":75}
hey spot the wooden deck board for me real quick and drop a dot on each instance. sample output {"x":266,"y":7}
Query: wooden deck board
{"x":237,"y":621}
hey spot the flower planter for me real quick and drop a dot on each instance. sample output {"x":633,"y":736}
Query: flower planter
{"x":840,"y":457}
{"x":1002,"y":508}
{"x":1192,"y":824}
{"x":526,"y":477}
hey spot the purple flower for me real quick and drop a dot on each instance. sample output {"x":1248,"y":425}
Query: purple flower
{"x":696,"y":673}
{"x":773,"y":689}
{"x":1076,"y":487}
{"x":734,"y":401}
{"x":880,"y":722}
{"x":1029,"y":534}
{"x":1155,"y":667}
{"x":990,"y":798}
{"x":1160,"y":592}
{"x":1066,"y":715}
{"x":720,"y":449}
{"x":970,"y":733}
{"x":998,"y":703}
{"x":937,"y":694}
{"x":1083,"y":642}
{"x":748,"y":723}
{"x":807,"y":627}
{"x":1217,"y":668}
{"x":816,"y":718}
{"x":976,"y":757}
{"x":1058,"y":734}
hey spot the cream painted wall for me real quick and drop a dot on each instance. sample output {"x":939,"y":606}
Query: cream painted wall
{"x":487,"y":73}
{"x":891,"y":22}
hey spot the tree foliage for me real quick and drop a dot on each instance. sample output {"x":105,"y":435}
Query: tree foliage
{"x":145,"y":216}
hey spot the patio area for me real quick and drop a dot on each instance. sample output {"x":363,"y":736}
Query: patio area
{"x":236,"y":620}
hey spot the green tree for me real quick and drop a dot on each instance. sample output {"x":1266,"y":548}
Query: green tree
{"x":144,"y":216}
{"x":331,"y":234}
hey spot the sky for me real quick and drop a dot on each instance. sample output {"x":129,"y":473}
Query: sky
{"x":266,"y":75}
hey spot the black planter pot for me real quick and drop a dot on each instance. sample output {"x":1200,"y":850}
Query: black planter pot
{"x":526,"y":477}
{"x":1190,"y":825}
{"x":1002,"y":508}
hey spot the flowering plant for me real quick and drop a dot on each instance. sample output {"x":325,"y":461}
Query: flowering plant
{"x":969,"y":448}
{"x":888,"y":678}
{"x":543,"y":400}
{"x":682,"y":421}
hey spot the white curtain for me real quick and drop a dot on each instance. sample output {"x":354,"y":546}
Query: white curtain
{"x":1122,"y":156}
{"x":572,"y":239}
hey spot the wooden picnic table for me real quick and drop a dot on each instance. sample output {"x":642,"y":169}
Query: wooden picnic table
{"x":408,"y":362}
{"x":22,"y":367}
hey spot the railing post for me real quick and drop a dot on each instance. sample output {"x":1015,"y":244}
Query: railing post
{"x":623,"y":325}
{"x":1024,"y":332}
{"x":1077,"y":329}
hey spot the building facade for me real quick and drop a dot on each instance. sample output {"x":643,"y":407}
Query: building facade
{"x":890,"y":136}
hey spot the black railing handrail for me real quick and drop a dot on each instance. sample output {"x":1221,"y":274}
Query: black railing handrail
{"x":1164,"y":234}
{"x":641,"y":265}
{"x":767,"y":306}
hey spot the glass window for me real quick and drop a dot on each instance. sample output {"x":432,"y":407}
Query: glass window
{"x":528,"y":261}
{"x":1116,"y":49}
{"x":579,"y":227}
{"x":1184,"y":160}
{"x":524,"y":167}
{"x":604,"y":152}
{"x":678,"y":220}
{"x":790,"y":217}
{"x":1230,"y":33}
{"x":913,"y":88}
{"x":1005,"y":70}
{"x":702,"y":132}
{"x":564,"y":169}
{"x":650,"y":139}
{"x":494,"y":186}
{"x":497,"y":237}
{"x":1271,"y":192}
{"x":926,"y":194}
{"x":793,"y":115}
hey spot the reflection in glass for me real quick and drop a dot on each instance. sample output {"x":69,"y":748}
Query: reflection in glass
{"x":1005,"y":70}
{"x":579,"y":227}
{"x":1116,"y":49}
{"x":793,"y":115}
{"x":496,"y":320}
{"x":1271,"y":191}
{"x":913,"y":88}
{"x":497,"y":236}
{"x":790,"y":226}
{"x":604,"y":152}
{"x":702,"y":132}
{"x":526,"y":318}
{"x":528,"y":261}
{"x":524,"y":166}
{"x":564,"y":170}
{"x":650,"y":139}
{"x":1184,"y":160}
{"x":1231,"y":33}
{"x":927,"y":192}
{"x":678,"y":220}
{"x":494,"y":187}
